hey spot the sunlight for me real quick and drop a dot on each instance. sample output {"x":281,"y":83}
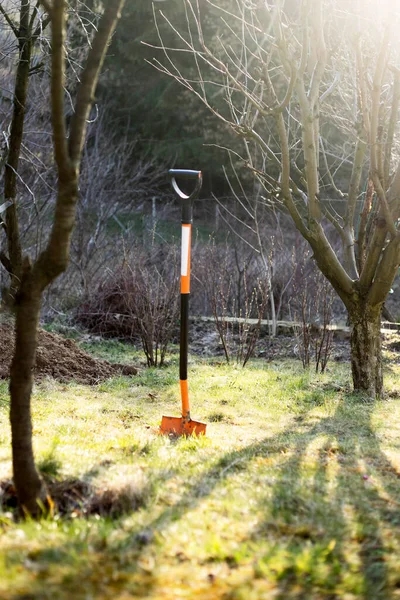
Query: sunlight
{"x":377,"y":10}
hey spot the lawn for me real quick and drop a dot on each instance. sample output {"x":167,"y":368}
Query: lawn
{"x":294,"y":493}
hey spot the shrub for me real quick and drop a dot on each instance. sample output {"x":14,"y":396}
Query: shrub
{"x":139,"y":300}
{"x":237,"y":297}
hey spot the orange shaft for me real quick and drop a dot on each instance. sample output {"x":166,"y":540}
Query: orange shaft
{"x":185,"y":399}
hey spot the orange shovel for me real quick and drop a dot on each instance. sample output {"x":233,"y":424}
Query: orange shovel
{"x":184,"y":425}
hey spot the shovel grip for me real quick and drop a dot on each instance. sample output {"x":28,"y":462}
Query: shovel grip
{"x":186,"y":174}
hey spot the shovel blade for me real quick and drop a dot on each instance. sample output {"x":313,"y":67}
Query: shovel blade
{"x":178,"y":426}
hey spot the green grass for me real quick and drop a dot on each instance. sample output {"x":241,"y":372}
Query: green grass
{"x":113,"y":350}
{"x":293,"y":494}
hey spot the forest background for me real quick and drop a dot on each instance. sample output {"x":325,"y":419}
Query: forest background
{"x":142,"y":124}
{"x":128,"y":220}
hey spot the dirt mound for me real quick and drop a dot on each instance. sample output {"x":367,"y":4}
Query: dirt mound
{"x":60,"y":358}
{"x":76,"y":497}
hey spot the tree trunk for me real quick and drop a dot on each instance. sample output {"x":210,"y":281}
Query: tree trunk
{"x":30,"y":488}
{"x":15,"y":143}
{"x":366,"y":350}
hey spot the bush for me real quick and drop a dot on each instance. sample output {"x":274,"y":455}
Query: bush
{"x":237,"y":297}
{"x":139,"y":300}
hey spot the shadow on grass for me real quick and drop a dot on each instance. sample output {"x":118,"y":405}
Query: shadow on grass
{"x":334,"y":524}
{"x":325,"y":531}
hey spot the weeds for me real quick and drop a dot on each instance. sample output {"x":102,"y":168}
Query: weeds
{"x":49,"y":465}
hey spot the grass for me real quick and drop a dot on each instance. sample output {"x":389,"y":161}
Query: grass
{"x":114,"y":351}
{"x":293,"y":494}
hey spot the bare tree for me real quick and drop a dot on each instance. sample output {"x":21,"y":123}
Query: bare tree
{"x":30,"y":278}
{"x":317,"y":113}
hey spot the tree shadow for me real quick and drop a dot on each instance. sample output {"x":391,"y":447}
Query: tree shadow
{"x":135,"y":543}
{"x":329,"y":520}
{"x":353,"y":508}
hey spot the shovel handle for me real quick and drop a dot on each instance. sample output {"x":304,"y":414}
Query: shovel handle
{"x":186,"y":174}
{"x":187,"y":205}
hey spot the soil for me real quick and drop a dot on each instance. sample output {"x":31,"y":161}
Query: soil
{"x":60,"y":358}
{"x":75,"y":497}
{"x":205,"y":341}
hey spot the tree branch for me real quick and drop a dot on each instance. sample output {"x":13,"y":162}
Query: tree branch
{"x":47,"y":6}
{"x":329,"y":264}
{"x":362,"y":228}
{"x":392,"y":126}
{"x":385,"y":273}
{"x":376,"y":169}
{"x":309,"y":151}
{"x":355,"y":180}
{"x":373,"y":255}
{"x":320,"y":50}
{"x":57,"y":88}
{"x":285,"y":178}
{"x":54,"y":259}
{"x":15,"y":141}
{"x":13,"y":26}
{"x":6,"y":262}
{"x":41,"y":27}
{"x":90,"y":76}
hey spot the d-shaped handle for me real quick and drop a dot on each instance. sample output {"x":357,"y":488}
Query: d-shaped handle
{"x":186,"y":174}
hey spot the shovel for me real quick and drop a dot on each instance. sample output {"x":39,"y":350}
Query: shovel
{"x":184,"y":425}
